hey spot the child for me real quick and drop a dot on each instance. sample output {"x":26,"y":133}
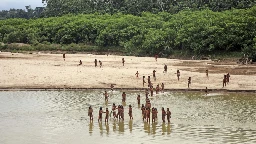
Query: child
{"x":123,"y":97}
{"x":107,"y":114}
{"x":123,"y":61}
{"x":168,"y":115}
{"x":106,"y":95}
{"x":154,"y":74}
{"x":138,"y":99}
{"x":162,"y":85}
{"x":90,"y":111}
{"x":100,"y":115}
{"x":95,"y":62}
{"x":189,"y":81}
{"x":163,"y":114}
{"x":130,"y":112}
{"x":100,"y":63}
{"x":178,"y":74}
{"x":137,"y":74}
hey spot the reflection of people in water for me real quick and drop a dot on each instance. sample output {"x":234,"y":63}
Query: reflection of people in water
{"x":163,"y":129}
{"x":121,"y":126}
{"x":168,"y":129}
{"x":101,"y":129}
{"x":114,"y":126}
{"x":107,"y":128}
{"x":154,"y":128}
{"x":130,"y":125}
{"x":90,"y":128}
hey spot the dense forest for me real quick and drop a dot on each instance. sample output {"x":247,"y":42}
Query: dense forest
{"x":197,"y":28}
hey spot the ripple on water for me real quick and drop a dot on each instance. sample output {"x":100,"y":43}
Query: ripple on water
{"x":61,"y":117}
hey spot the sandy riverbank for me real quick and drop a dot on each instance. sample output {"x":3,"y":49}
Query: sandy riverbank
{"x":50,"y":71}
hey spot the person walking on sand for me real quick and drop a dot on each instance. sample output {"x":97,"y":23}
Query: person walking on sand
{"x":228,"y":76}
{"x":95,"y":62}
{"x":206,"y":72}
{"x":123,"y":61}
{"x":137,"y":74}
{"x":224,"y":83}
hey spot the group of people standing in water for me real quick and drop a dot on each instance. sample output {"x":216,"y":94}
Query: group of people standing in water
{"x":147,"y":112}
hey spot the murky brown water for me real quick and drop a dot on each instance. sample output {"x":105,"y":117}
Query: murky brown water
{"x":49,"y":117}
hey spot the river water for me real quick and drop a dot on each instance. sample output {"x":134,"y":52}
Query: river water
{"x":60,"y":117}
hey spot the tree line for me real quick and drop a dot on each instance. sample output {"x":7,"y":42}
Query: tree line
{"x":198,"y":32}
{"x":135,"y":7}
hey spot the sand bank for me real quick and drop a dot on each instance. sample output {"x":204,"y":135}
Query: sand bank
{"x":50,"y":71}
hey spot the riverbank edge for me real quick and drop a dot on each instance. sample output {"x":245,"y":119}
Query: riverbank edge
{"x":128,"y":89}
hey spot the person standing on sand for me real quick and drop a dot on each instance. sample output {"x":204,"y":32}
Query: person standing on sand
{"x":151,"y":90}
{"x":228,"y":76}
{"x":144,"y":80}
{"x":162,"y":85}
{"x":224,"y":83}
{"x":165,"y":69}
{"x":156,"y":56}
{"x":157,"y":89}
{"x":154,"y":74}
{"x":64,"y":56}
{"x":100,"y":63}
{"x":206,"y":72}
{"x":90,"y":111}
{"x":189,"y":81}
{"x":178,"y":74}
{"x":123,"y":61}
{"x":95,"y":62}
{"x":137,"y":74}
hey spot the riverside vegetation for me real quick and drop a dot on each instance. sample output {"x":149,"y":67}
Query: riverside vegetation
{"x":187,"y":32}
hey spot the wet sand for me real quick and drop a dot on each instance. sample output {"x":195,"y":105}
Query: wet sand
{"x":50,"y":71}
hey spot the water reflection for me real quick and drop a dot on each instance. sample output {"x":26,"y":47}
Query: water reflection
{"x":121,"y":126}
{"x":130,"y":125}
{"x":196,"y":118}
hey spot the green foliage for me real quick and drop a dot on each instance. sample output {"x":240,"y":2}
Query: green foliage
{"x":193,"y":32}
